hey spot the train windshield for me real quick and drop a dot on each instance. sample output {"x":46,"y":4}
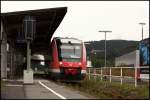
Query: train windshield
{"x":70,"y":52}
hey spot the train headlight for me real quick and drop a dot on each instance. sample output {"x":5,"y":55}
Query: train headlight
{"x":60,"y":63}
{"x":80,"y":64}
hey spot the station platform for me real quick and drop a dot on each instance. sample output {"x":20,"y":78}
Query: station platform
{"x":41,"y":89}
{"x":16,"y":89}
{"x":12,"y":89}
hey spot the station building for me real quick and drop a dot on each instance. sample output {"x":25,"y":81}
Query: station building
{"x":12,"y":38}
{"x":131,"y":59}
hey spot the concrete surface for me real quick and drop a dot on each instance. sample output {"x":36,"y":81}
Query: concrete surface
{"x":16,"y":89}
{"x":13,"y":90}
{"x":67,"y":92}
{"x":28,"y":76}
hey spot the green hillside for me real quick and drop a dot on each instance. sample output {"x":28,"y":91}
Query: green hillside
{"x":115,"y":48}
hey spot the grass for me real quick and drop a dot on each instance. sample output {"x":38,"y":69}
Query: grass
{"x":106,"y":90}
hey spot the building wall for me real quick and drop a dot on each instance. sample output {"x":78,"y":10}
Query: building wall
{"x":11,"y":60}
{"x":130,"y":59}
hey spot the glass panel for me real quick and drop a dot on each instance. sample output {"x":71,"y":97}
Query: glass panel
{"x":70,"y":52}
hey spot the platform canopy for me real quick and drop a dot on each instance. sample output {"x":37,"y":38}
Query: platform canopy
{"x":47,"y":21}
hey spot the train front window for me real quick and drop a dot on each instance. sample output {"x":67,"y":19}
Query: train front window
{"x":70,"y":52}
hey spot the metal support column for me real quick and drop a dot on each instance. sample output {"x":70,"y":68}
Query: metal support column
{"x":105,"y":44}
{"x":105,"y":49}
{"x":3,"y":52}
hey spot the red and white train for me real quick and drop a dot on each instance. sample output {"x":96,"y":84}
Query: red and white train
{"x":68,"y":59}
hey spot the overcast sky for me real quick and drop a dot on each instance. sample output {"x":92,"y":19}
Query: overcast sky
{"x":84,"y":19}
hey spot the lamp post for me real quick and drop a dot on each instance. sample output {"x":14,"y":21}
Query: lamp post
{"x":142,"y":28}
{"x":29,"y":24}
{"x":105,"y":44}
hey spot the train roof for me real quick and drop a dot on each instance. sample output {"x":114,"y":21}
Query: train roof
{"x":67,"y":39}
{"x":47,"y":21}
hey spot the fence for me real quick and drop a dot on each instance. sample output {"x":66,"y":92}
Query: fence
{"x":132,"y":72}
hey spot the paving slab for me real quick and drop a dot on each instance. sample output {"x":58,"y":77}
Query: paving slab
{"x":13,"y":90}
